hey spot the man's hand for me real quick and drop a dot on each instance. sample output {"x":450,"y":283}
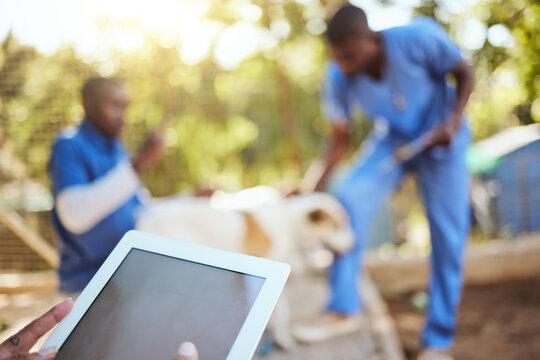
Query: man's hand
{"x":444,"y":133}
{"x":19,"y":345}
{"x":151,"y":151}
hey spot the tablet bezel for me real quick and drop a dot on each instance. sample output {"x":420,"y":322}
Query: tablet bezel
{"x":245,"y":344}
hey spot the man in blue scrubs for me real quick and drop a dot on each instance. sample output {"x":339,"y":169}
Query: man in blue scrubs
{"x":397,"y":77}
{"x":96,"y":188}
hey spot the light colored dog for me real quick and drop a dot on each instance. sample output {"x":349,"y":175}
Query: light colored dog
{"x":257,"y":222}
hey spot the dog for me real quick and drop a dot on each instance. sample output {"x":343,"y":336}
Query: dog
{"x":258,"y":222}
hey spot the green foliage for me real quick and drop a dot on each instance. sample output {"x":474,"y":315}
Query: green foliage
{"x":257,"y":123}
{"x":507,"y":80}
{"x":39,"y":96}
{"x":522,"y":61}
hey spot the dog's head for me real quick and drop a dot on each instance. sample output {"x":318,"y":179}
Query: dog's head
{"x":323,"y":221}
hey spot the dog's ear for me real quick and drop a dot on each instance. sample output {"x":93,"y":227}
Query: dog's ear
{"x":316,"y":215}
{"x":319,"y":216}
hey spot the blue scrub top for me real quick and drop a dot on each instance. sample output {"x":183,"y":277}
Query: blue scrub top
{"x":80,"y":157}
{"x":418,"y":58}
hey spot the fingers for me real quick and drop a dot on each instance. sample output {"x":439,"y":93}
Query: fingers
{"x":27,"y":337}
{"x":46,"y":354}
{"x":34,"y":356}
{"x":187,"y":351}
{"x":155,"y":138}
{"x":154,"y":145}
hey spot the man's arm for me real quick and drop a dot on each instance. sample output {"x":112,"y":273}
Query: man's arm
{"x":464,"y":77}
{"x":80,"y":201}
{"x":81,"y":207}
{"x":151,"y":151}
{"x":444,"y":133}
{"x":339,"y":144}
{"x":80,"y":204}
{"x":335,"y":107}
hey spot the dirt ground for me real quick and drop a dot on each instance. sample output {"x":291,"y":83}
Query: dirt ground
{"x":498,"y":321}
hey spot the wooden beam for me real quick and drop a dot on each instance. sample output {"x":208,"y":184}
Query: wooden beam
{"x":17,"y":283}
{"x":17,"y":225}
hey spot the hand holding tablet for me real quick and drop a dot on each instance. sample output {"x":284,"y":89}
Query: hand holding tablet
{"x":153,"y":293}
{"x":19,"y":345}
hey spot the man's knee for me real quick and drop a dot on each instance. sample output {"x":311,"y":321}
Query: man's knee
{"x":356,"y":193}
{"x":347,"y":195}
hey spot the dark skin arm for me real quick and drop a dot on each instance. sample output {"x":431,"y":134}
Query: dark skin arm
{"x":19,"y":345}
{"x":339,"y":144}
{"x":445,"y":132}
{"x":151,"y":151}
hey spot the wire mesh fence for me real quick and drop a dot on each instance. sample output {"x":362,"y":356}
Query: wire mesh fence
{"x":15,"y":255}
{"x":227,"y":129}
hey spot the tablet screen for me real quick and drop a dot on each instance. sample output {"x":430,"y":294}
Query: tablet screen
{"x":154,"y":302}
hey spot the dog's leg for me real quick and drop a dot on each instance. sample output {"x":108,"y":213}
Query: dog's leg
{"x":280,"y":323}
{"x":298,"y":263}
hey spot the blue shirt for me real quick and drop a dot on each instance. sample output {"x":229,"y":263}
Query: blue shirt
{"x":418,"y":58}
{"x":81,"y":157}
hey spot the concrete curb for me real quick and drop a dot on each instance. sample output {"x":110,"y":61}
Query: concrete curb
{"x":490,"y":262}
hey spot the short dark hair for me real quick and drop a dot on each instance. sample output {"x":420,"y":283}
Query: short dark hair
{"x":92,"y":86}
{"x":349,"y":21}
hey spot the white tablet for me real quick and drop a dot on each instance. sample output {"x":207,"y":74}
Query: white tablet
{"x":152,"y":293}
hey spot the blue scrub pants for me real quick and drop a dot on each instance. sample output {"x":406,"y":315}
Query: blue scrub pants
{"x":444,"y":183}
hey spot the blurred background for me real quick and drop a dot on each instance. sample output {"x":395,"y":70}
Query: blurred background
{"x":240,"y":80}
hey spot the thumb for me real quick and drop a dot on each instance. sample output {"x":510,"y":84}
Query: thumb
{"x":187,"y":351}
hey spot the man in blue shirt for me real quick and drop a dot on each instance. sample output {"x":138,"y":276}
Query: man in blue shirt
{"x":397,"y":78}
{"x":96,"y":188}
